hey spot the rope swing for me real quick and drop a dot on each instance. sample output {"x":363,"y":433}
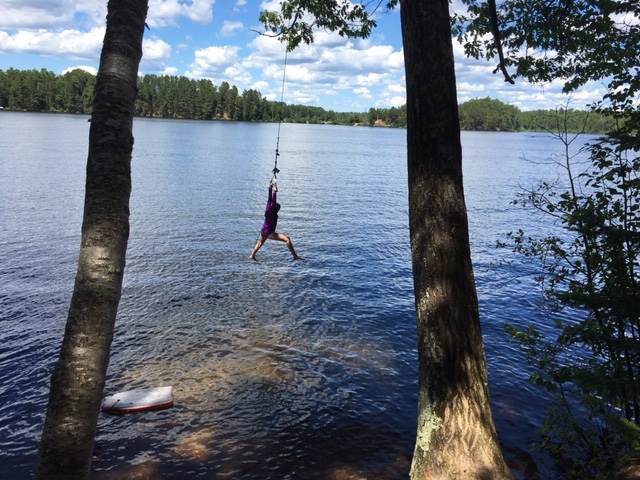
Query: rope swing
{"x":271,"y":211}
{"x":275,"y":170}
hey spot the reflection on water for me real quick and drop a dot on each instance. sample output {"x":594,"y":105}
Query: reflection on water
{"x":280,"y":369}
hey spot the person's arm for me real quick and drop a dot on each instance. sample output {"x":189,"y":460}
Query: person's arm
{"x":275,"y":193}
{"x":270,"y":200}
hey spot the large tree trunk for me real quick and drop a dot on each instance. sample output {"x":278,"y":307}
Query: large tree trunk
{"x":456,"y":436}
{"x":77,"y":383}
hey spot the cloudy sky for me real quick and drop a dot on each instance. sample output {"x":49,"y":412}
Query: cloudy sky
{"x":217,"y":39}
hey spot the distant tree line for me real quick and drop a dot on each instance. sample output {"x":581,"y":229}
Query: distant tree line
{"x":44,"y":91}
{"x":179,"y":97}
{"x":165,"y":96}
{"x":486,"y":114}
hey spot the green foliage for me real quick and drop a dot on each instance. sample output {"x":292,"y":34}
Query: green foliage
{"x":573,"y":40}
{"x":395,"y":117}
{"x":592,"y":270}
{"x":43,"y":91}
{"x":576,"y":121}
{"x":485,"y":114}
{"x":293,"y":25}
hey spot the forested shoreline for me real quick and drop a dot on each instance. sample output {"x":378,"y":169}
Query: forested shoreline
{"x":162,"y":96}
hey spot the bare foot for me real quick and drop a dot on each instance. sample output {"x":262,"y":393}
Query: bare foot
{"x":296,"y":257}
{"x":251,"y":257}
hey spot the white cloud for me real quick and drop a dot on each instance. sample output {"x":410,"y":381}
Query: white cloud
{"x":331,"y":65}
{"x":305,"y":97}
{"x":215,"y":58}
{"x":238,"y":76}
{"x":229,"y":29}
{"x":260,"y":86}
{"x":220,"y":64}
{"x":170,"y":72}
{"x":72,"y":44}
{"x":155,"y":52}
{"x":323,"y":39}
{"x":163,"y":13}
{"x":200,"y":11}
{"x":397,"y":101}
{"x":372,"y":79}
{"x":273,"y":72}
{"x":54,"y":14}
{"x":156,"y":49}
{"x":300,"y":74}
{"x":272,"y":5}
{"x":395,"y":62}
{"x":363,"y":92}
{"x":86,"y":68}
{"x":264,"y":51}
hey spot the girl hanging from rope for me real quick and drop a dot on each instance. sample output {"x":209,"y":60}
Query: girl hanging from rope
{"x":269,"y":225}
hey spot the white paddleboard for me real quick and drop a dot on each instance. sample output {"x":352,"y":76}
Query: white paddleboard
{"x":139,"y":400}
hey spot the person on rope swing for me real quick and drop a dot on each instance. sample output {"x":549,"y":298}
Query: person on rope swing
{"x":269,"y":225}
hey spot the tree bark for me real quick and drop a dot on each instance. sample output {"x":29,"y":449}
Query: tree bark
{"x":456,"y":437}
{"x":77,"y":383}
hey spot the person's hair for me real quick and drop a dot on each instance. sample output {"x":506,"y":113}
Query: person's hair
{"x":276,"y":207}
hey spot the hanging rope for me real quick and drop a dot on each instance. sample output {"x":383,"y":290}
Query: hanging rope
{"x":275,"y":167}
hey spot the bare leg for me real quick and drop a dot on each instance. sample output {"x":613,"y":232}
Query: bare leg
{"x":283,"y":238}
{"x":261,"y":241}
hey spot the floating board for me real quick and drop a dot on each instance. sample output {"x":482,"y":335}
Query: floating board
{"x":139,"y":400}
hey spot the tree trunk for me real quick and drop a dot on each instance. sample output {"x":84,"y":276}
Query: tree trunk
{"x":77,"y":383}
{"x":456,"y":436}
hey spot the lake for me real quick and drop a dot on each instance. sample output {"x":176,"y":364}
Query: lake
{"x":280,"y":369}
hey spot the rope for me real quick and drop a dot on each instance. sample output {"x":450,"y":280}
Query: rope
{"x":275,"y":167}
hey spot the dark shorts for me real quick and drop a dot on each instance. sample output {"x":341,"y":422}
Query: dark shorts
{"x":266,"y":233}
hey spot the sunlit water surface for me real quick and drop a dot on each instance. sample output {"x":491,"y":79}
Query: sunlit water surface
{"x":280,"y":369}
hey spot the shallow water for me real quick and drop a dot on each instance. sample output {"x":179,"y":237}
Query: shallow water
{"x":280,"y":369}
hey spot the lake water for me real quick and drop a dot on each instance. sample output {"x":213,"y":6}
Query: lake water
{"x":280,"y":369}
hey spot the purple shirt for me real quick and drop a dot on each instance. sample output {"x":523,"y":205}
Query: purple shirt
{"x":270,"y":214}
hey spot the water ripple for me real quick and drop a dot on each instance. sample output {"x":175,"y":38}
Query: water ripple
{"x":280,"y":369}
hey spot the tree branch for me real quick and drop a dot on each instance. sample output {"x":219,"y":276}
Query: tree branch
{"x":496,"y":36}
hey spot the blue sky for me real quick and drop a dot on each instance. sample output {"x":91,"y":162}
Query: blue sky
{"x":216,"y":39}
